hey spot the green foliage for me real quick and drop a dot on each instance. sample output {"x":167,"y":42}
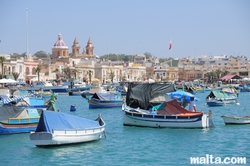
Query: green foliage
{"x":119,"y":57}
{"x":41,"y":54}
{"x":148,"y":55}
{"x":215,"y":75}
{"x":38,"y":69}
{"x":15,"y":75}
{"x":165,"y":59}
{"x":2,"y":59}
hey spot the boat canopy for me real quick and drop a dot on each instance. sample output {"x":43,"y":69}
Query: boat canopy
{"x":174,"y":108}
{"x":6,"y":100}
{"x":51,"y":120}
{"x":218,"y":95}
{"x":12,"y":112}
{"x":181,"y":94}
{"x":106,"y":96}
{"x":146,"y":95}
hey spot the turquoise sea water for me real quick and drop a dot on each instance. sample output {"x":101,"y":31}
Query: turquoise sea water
{"x":126,"y":145}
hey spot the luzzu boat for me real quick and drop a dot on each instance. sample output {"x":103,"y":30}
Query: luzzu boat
{"x":105,"y":100}
{"x":217,"y":98}
{"x":146,"y":106}
{"x":18,"y":119}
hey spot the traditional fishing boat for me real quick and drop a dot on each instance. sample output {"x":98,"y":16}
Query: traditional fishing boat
{"x":17,"y":120}
{"x":105,"y":100}
{"x":57,"y":128}
{"x":20,"y":119}
{"x":27,"y":101}
{"x":147,"y":106}
{"x":47,"y":86}
{"x":217,"y":98}
{"x":240,"y":120}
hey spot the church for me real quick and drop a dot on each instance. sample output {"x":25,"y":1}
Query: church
{"x":61,"y":50}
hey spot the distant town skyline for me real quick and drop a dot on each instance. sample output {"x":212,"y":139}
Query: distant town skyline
{"x":128,"y":27}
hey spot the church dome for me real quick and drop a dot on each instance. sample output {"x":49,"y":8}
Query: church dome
{"x":60,"y":43}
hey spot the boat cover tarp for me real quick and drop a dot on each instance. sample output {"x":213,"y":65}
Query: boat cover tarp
{"x":7,"y":112}
{"x":6,"y":100}
{"x":174,"y":108}
{"x":181,"y":94}
{"x":105,"y":96}
{"x":218,"y":95}
{"x":146,"y":95}
{"x":51,"y":120}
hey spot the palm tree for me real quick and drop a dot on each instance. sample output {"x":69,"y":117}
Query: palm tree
{"x":15,"y":75}
{"x":2,"y":59}
{"x":74,"y":71}
{"x":112,"y":75}
{"x":66,"y":72}
{"x":90,"y":72}
{"x":38,"y":69}
{"x":57,"y":72}
{"x":124,"y":78}
{"x":225,"y":73}
{"x":218,"y":73}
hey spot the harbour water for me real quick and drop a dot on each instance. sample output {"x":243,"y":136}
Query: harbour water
{"x":126,"y":145}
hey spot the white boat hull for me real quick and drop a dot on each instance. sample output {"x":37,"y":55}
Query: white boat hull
{"x":236,"y":119}
{"x":164,"y":121}
{"x":64,"y":137}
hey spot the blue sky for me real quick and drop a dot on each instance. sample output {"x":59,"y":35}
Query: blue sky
{"x":195,"y":27}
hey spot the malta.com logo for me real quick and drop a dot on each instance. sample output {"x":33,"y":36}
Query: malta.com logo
{"x":210,"y":159}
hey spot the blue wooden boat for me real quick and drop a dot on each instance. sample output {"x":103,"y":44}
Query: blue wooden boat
{"x":105,"y":100}
{"x":217,"y":98}
{"x":17,"y":119}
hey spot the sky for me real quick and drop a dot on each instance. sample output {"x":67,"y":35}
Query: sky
{"x":194,"y":27}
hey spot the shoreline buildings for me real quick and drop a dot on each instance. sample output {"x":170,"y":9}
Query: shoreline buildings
{"x":84,"y":65}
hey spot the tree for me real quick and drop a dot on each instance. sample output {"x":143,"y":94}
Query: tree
{"x":66,"y":72}
{"x":57,"y":72}
{"x":225,"y":73}
{"x":218,"y":73}
{"x":148,"y":55}
{"x":38,"y":69}
{"x":90,"y":72}
{"x":2,"y":59}
{"x":15,"y":75}
{"x":41,"y":54}
{"x":112,"y":75}
{"x":74,"y":71}
{"x":124,"y":78}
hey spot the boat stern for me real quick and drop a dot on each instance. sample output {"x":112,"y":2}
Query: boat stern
{"x":207,"y":121}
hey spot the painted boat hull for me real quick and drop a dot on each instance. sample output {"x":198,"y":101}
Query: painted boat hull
{"x":221,"y":102}
{"x":93,"y":103}
{"x":56,"y":89}
{"x":65,"y":137}
{"x":165,"y":121}
{"x":236,"y":120}
{"x":17,"y":128}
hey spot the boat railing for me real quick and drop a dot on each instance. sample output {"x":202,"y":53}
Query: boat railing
{"x":23,"y":120}
{"x":79,"y":131}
